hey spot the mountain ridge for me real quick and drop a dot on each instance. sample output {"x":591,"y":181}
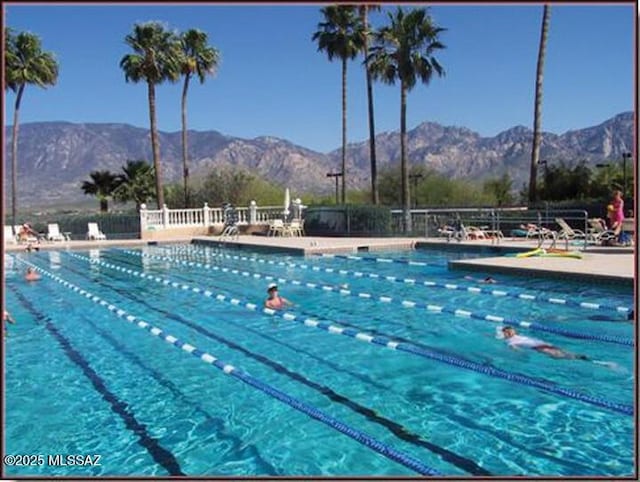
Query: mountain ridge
{"x":56,"y":156}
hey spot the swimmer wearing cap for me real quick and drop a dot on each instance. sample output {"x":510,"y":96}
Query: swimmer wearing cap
{"x":274,"y":301}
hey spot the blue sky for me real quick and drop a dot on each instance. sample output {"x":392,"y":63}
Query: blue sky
{"x":273,"y":81}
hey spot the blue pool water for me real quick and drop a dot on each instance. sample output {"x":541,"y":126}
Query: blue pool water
{"x":81,"y":379}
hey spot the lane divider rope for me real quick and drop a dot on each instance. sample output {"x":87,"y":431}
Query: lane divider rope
{"x":459,"y":312}
{"x":355,"y":434}
{"x":433,"y":284}
{"x":381,"y":341}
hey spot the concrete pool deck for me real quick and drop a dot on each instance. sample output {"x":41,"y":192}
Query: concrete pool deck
{"x":597,"y":264}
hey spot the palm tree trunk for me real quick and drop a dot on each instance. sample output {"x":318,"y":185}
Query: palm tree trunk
{"x":375,"y":197}
{"x":344,"y":129}
{"x":185,"y":166}
{"x":403,"y":159}
{"x":104,"y":205}
{"x":155,"y":144}
{"x":537,"y":115}
{"x":14,"y":158}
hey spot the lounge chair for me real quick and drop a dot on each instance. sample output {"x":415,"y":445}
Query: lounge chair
{"x":294,"y":228}
{"x":9,"y":237}
{"x":54,"y":234}
{"x":94,"y":232}
{"x":567,"y":232}
{"x":598,"y":233}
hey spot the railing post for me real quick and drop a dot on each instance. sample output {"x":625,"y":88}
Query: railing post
{"x":143,"y":217}
{"x":165,"y":216}
{"x":253,"y":208}
{"x":205,"y":215}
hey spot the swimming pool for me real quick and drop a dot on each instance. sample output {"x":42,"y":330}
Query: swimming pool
{"x":381,"y":368}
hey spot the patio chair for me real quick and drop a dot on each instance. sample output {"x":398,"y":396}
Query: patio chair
{"x":295,"y":228}
{"x":567,"y":232}
{"x":276,"y":226}
{"x":94,"y":233}
{"x":9,"y":237}
{"x":54,"y":234}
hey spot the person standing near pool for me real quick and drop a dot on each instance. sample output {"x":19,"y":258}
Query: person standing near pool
{"x":616,"y":210}
{"x":275,"y":301}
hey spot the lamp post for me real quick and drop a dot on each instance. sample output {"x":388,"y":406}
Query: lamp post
{"x":414,"y":178}
{"x":625,"y":156}
{"x":336,"y":175}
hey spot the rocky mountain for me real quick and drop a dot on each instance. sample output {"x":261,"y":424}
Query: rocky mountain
{"x":55,"y":157}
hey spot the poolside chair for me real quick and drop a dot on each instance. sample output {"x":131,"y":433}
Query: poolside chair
{"x":94,"y":233}
{"x":567,"y":232}
{"x":598,"y":233}
{"x":276,"y":227}
{"x":230,"y":229}
{"x":54,"y":234}
{"x":9,"y":237}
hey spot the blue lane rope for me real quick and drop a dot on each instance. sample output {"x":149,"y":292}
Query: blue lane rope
{"x":355,"y":434}
{"x":384,"y":341}
{"x":371,"y":415}
{"x":431,"y":283}
{"x":404,"y":303}
{"x":379,"y":260}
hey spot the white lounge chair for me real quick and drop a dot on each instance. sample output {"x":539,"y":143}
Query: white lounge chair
{"x":9,"y":237}
{"x":567,"y":232}
{"x":94,"y":232}
{"x":54,"y":234}
{"x":295,"y":228}
{"x":598,"y":233}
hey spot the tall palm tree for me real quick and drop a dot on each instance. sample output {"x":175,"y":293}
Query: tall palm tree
{"x":537,"y":115}
{"x":341,"y":35}
{"x":136,"y":183}
{"x":25,"y":63}
{"x":364,"y":11}
{"x":156,"y":59}
{"x":404,"y":51}
{"x":202,"y":60}
{"x":102,"y":185}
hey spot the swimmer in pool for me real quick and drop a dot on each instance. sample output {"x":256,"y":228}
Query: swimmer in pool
{"x":31,"y":274}
{"x":488,"y":280}
{"x":275,"y":301}
{"x":516,"y":341}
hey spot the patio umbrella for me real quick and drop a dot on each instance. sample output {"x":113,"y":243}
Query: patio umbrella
{"x":287,"y":202}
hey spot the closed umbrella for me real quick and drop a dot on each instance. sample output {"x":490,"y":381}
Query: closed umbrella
{"x":287,"y":202}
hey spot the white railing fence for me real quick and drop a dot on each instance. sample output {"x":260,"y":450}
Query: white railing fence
{"x":165,"y":218}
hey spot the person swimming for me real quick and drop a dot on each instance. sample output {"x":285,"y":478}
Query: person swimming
{"x":488,"y":280}
{"x":275,"y":301}
{"x":31,"y":274}
{"x":516,"y":341}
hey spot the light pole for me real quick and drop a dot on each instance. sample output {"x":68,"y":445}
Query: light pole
{"x":625,"y":156}
{"x":337,"y":175}
{"x":414,"y":178}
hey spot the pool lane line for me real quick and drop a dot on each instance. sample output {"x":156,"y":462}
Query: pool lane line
{"x":237,"y":443}
{"x":161,"y":455}
{"x":401,"y":303}
{"x":433,"y":284}
{"x":362,"y":377}
{"x":392,"y":344}
{"x":461,"y":420}
{"x":371,"y":415}
{"x":404,"y":459}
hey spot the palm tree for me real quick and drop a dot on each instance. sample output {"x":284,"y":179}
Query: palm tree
{"x":25,"y":63}
{"x":200,"y":59}
{"x":156,"y":59}
{"x":404,"y":51}
{"x":136,"y":183}
{"x":102,"y":185}
{"x":537,"y":115}
{"x":341,"y":35}
{"x":364,"y":10}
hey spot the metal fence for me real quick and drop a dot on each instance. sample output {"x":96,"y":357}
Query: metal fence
{"x":114,"y":226}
